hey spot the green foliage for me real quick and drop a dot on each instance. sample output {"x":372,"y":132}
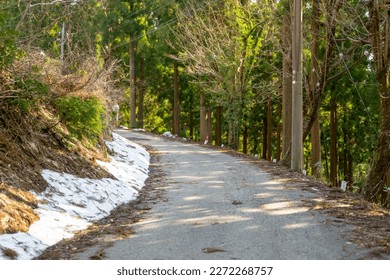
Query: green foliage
{"x":32,"y":87}
{"x":8,"y":36}
{"x":23,"y":104}
{"x":31,"y":92}
{"x":83,"y":117}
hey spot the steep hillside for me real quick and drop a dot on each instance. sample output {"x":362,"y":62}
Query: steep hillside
{"x":47,"y":121}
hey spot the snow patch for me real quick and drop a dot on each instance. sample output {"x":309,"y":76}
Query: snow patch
{"x":168,"y":134}
{"x":70,"y":203}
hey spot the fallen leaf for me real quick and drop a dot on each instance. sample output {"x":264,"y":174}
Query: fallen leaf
{"x":210,"y":250}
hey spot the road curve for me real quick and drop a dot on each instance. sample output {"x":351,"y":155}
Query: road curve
{"x":217,"y":206}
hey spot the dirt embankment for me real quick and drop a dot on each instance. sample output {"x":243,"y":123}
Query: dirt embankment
{"x":28,"y":144}
{"x":33,"y":138}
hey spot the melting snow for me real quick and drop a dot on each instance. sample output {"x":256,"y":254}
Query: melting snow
{"x":70,"y":203}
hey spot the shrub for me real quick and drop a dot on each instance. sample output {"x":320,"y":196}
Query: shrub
{"x":31,"y":92}
{"x":83,"y":117}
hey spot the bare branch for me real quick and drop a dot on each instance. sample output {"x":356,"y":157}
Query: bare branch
{"x":50,"y":3}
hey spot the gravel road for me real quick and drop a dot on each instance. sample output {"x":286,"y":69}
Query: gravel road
{"x":217,"y":206}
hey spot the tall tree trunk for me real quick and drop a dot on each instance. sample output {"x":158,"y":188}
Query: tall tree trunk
{"x":176,"y":100}
{"x":286,"y":84}
{"x":326,"y":152}
{"x":132,"y":84}
{"x":333,"y":143}
{"x":69,"y":44}
{"x":230,"y":134}
{"x":236,"y":135}
{"x":380,"y":42}
{"x":218,"y":127}
{"x":278,"y":134}
{"x":269,"y":129}
{"x":192,"y":121}
{"x":245,"y":140}
{"x":388,"y":178}
{"x":141,"y":88}
{"x":62,"y":49}
{"x":255,"y":148}
{"x":316,"y":164}
{"x":316,"y":129}
{"x":350,"y":168}
{"x":345,"y":155}
{"x":209,"y":117}
{"x":265,"y":142}
{"x":233,"y":133}
{"x":205,"y":121}
{"x":387,"y":203}
{"x":297,"y":89}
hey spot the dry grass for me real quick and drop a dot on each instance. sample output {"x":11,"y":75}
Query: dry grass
{"x":9,"y":253}
{"x":17,"y":209}
{"x":99,"y":255}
